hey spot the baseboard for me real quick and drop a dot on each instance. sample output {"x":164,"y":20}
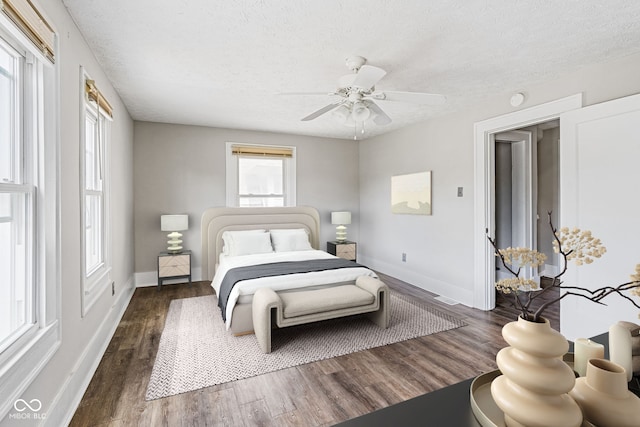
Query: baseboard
{"x":68,"y":398}
{"x":150,"y":278}
{"x":427,"y":283}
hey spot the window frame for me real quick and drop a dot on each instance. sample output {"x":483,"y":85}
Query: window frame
{"x":97,"y":279}
{"x":232,"y":173}
{"x":24,"y":358}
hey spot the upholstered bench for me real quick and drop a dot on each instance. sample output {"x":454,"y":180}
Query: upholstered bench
{"x":367,"y":295}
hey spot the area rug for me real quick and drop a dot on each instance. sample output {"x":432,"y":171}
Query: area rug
{"x":196,"y":350}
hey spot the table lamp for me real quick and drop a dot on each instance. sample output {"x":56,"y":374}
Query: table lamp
{"x":340,"y":219}
{"x":174,"y":224}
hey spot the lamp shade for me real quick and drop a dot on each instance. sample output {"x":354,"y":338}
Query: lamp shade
{"x":340,"y":218}
{"x":174,"y":222}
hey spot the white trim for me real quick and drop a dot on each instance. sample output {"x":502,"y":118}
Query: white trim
{"x":483,"y":295}
{"x":21,"y":368}
{"x":439,"y":287}
{"x":66,"y":401}
{"x":97,"y":282}
{"x":17,"y":375}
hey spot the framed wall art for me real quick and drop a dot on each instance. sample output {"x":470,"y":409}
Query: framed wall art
{"x":411,"y":194}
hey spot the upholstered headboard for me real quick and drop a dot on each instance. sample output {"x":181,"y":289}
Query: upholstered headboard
{"x":216,"y":221}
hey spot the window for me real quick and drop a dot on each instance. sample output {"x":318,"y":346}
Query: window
{"x":95,"y":142}
{"x":16,"y":204}
{"x":29,"y":199}
{"x":260,"y":175}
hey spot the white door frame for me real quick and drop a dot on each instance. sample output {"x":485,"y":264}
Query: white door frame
{"x":484,"y":154}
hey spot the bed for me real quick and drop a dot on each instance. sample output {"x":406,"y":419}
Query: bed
{"x":242,"y":222}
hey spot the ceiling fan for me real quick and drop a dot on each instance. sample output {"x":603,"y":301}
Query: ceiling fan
{"x":357,"y":96}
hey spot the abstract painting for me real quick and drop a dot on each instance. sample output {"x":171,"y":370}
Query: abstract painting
{"x":411,"y":194}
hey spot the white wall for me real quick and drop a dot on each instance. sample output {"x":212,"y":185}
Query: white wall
{"x":181,"y":169}
{"x":439,"y":248}
{"x":60,"y":384}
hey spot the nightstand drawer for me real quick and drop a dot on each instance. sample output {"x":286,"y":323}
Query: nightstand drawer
{"x":174,"y":265}
{"x":346,"y":249}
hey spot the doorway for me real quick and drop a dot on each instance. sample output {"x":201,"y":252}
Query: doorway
{"x":537,"y":117}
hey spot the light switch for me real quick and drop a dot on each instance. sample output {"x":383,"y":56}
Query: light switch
{"x":459,"y":191}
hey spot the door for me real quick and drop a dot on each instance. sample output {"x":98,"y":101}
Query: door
{"x":600,"y":192}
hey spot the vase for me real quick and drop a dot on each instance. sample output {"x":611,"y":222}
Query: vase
{"x":604,"y":396}
{"x":533,"y":388}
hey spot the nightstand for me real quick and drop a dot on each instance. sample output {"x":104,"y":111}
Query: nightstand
{"x":174,"y":266}
{"x":346,"y":249}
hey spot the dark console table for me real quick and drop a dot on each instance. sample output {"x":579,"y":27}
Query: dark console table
{"x":449,"y":406}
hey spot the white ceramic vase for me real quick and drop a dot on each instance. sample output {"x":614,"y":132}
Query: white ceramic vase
{"x":533,"y":388}
{"x":604,"y":396}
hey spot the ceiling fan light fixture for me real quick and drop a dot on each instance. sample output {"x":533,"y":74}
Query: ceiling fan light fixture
{"x":360,"y":111}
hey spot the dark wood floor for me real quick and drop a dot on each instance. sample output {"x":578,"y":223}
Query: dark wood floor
{"x":317,"y":394}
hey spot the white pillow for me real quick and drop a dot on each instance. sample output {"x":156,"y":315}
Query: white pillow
{"x":290,"y":239}
{"x":246,"y":242}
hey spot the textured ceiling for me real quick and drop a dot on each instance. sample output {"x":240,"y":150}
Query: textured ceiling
{"x":223,"y":63}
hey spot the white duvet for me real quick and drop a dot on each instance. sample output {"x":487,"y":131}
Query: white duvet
{"x":279,"y":283}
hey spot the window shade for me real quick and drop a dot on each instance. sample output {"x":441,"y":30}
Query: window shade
{"x":24,"y":14}
{"x":96,"y":96}
{"x":261,"y":151}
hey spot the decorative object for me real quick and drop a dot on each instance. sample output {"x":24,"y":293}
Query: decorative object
{"x":174,"y":224}
{"x":624,"y":347}
{"x":411,"y":194}
{"x":341,"y":219}
{"x":196,"y":351}
{"x":585,"y":349}
{"x":533,"y":387}
{"x":572,"y":245}
{"x":533,"y":372}
{"x":603,"y":396}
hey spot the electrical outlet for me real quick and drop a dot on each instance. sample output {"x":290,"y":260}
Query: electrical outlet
{"x":113,"y":288}
{"x":459,"y":191}
{"x":404,"y":257}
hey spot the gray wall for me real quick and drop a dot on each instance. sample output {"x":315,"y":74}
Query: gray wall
{"x":181,"y":169}
{"x":60,"y":383}
{"x":439,"y":248}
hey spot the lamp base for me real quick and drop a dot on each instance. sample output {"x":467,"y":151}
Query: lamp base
{"x":341,"y":233}
{"x":174,"y":242}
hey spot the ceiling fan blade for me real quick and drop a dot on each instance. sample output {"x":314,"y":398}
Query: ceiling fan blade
{"x":368,"y":76}
{"x":321,"y":111}
{"x":413,"y":97}
{"x":305,"y":93}
{"x":381,"y":117}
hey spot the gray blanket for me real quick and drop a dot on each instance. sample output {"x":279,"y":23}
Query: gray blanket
{"x":238,"y":274}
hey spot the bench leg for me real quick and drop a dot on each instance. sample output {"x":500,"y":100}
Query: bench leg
{"x":264,"y":300}
{"x":262,"y":329}
{"x":381,"y":316}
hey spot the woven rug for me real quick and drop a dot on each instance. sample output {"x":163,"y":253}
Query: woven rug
{"x":196,"y":350}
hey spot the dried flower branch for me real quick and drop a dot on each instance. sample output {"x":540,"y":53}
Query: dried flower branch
{"x":573,"y":245}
